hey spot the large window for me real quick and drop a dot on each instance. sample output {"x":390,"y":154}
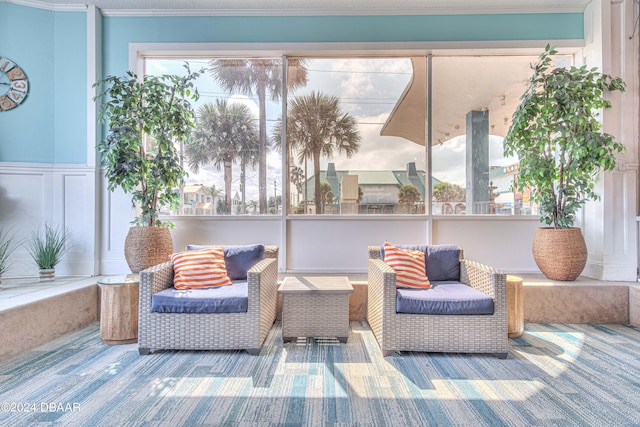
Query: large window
{"x":474,"y":98}
{"x":356,"y":135}
{"x":338,"y":160}
{"x":233,"y":167}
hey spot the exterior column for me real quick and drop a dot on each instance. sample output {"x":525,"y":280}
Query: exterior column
{"x":478,"y":162}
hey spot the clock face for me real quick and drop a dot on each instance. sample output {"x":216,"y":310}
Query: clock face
{"x":14,"y":85}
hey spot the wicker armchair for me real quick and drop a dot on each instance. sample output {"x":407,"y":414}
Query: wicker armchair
{"x":437,"y":333}
{"x":209,"y":331}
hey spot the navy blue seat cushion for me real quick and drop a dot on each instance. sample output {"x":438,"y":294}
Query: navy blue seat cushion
{"x":442,"y":262}
{"x":447,"y":297}
{"x":238,"y":259}
{"x":222,"y":299}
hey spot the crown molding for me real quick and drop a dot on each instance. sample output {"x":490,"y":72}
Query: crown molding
{"x":56,"y":7}
{"x":48,"y":6}
{"x":334,"y":12}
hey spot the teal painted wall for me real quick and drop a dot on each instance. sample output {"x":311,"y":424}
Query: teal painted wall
{"x":70,"y":104}
{"x":50,"y":124}
{"x":119,"y":31}
{"x":26,"y":38}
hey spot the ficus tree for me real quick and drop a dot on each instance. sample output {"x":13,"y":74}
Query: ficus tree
{"x":558,"y":139}
{"x":147,"y":118}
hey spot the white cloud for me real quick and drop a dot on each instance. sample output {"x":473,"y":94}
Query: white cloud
{"x":247,"y":102}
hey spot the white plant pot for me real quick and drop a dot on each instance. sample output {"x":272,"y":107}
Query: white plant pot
{"x":47,"y":274}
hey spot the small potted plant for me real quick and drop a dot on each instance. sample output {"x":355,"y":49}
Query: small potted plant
{"x":556,"y":135}
{"x":147,"y":117}
{"x":46,"y":245}
{"x":8,"y":245}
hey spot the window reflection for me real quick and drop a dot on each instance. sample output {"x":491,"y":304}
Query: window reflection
{"x":355,"y":136}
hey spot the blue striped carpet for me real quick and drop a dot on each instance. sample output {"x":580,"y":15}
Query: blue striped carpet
{"x":555,"y":375}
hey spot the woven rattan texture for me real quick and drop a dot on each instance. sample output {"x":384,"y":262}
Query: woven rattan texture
{"x":437,"y":333}
{"x":560,"y":254}
{"x":209,"y":331}
{"x":147,"y":246}
{"x":314,"y":315}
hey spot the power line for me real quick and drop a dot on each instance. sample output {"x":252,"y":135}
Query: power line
{"x":360,"y":72}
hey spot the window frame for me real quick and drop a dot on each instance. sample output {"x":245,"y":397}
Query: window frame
{"x":139,"y":52}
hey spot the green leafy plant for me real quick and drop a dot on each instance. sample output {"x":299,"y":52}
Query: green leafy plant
{"x":8,"y":244}
{"x":557,"y":137}
{"x":408,"y":196}
{"x":47,"y":245}
{"x":147,"y":118}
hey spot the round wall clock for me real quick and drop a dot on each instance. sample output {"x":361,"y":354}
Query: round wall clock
{"x":14,"y":85}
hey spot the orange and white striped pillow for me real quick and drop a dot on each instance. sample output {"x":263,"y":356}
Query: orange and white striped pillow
{"x":409,"y":266}
{"x":203,"y":268}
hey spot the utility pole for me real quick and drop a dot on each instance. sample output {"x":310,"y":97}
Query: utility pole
{"x":275,"y":197}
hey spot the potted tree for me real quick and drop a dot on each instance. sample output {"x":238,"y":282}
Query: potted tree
{"x":556,"y":135}
{"x":147,"y":118}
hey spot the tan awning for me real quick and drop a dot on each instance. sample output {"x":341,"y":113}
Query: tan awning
{"x":460,"y":84}
{"x":408,"y":118}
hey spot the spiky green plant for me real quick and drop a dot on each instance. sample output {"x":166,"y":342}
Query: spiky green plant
{"x":47,"y":245}
{"x":8,"y":244}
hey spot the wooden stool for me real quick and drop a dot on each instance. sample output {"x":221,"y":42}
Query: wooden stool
{"x":515,"y":307}
{"x":119,"y":309}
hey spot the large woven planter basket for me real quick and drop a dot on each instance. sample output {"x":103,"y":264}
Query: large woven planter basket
{"x":145,"y":247}
{"x":561,"y":254}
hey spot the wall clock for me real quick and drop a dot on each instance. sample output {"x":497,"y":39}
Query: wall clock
{"x":14,"y":85}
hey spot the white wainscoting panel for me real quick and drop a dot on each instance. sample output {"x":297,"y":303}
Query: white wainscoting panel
{"x":61,"y":195}
{"x":116,"y":214}
{"x":339,"y":245}
{"x":501,"y":242}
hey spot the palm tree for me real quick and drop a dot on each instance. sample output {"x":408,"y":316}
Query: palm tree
{"x":215,"y":193}
{"x":259,"y":76}
{"x":248,"y":157}
{"x":326,"y":194}
{"x":254,"y":205}
{"x":222,"y":130}
{"x":316,"y":126}
{"x":297,"y":178}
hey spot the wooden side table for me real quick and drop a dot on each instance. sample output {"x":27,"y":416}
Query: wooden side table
{"x":119,"y":309}
{"x":515,"y":307}
{"x":315,"y":306}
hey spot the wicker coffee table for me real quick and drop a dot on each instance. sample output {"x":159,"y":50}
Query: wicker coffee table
{"x":315,"y":306}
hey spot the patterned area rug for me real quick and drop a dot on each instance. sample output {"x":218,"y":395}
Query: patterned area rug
{"x":555,"y":375}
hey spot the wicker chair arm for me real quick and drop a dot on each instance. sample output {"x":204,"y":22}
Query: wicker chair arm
{"x":382,"y":283}
{"x":374,"y":252}
{"x":160,"y":277}
{"x":263,"y":297}
{"x":153,"y":280}
{"x":271,"y":251}
{"x":486,"y":279}
{"x":263,"y":276}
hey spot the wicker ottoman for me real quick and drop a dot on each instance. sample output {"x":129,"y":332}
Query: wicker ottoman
{"x":315,"y":306}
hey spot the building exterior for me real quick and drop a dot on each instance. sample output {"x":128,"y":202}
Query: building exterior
{"x":198,"y":200}
{"x":377,"y":190}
